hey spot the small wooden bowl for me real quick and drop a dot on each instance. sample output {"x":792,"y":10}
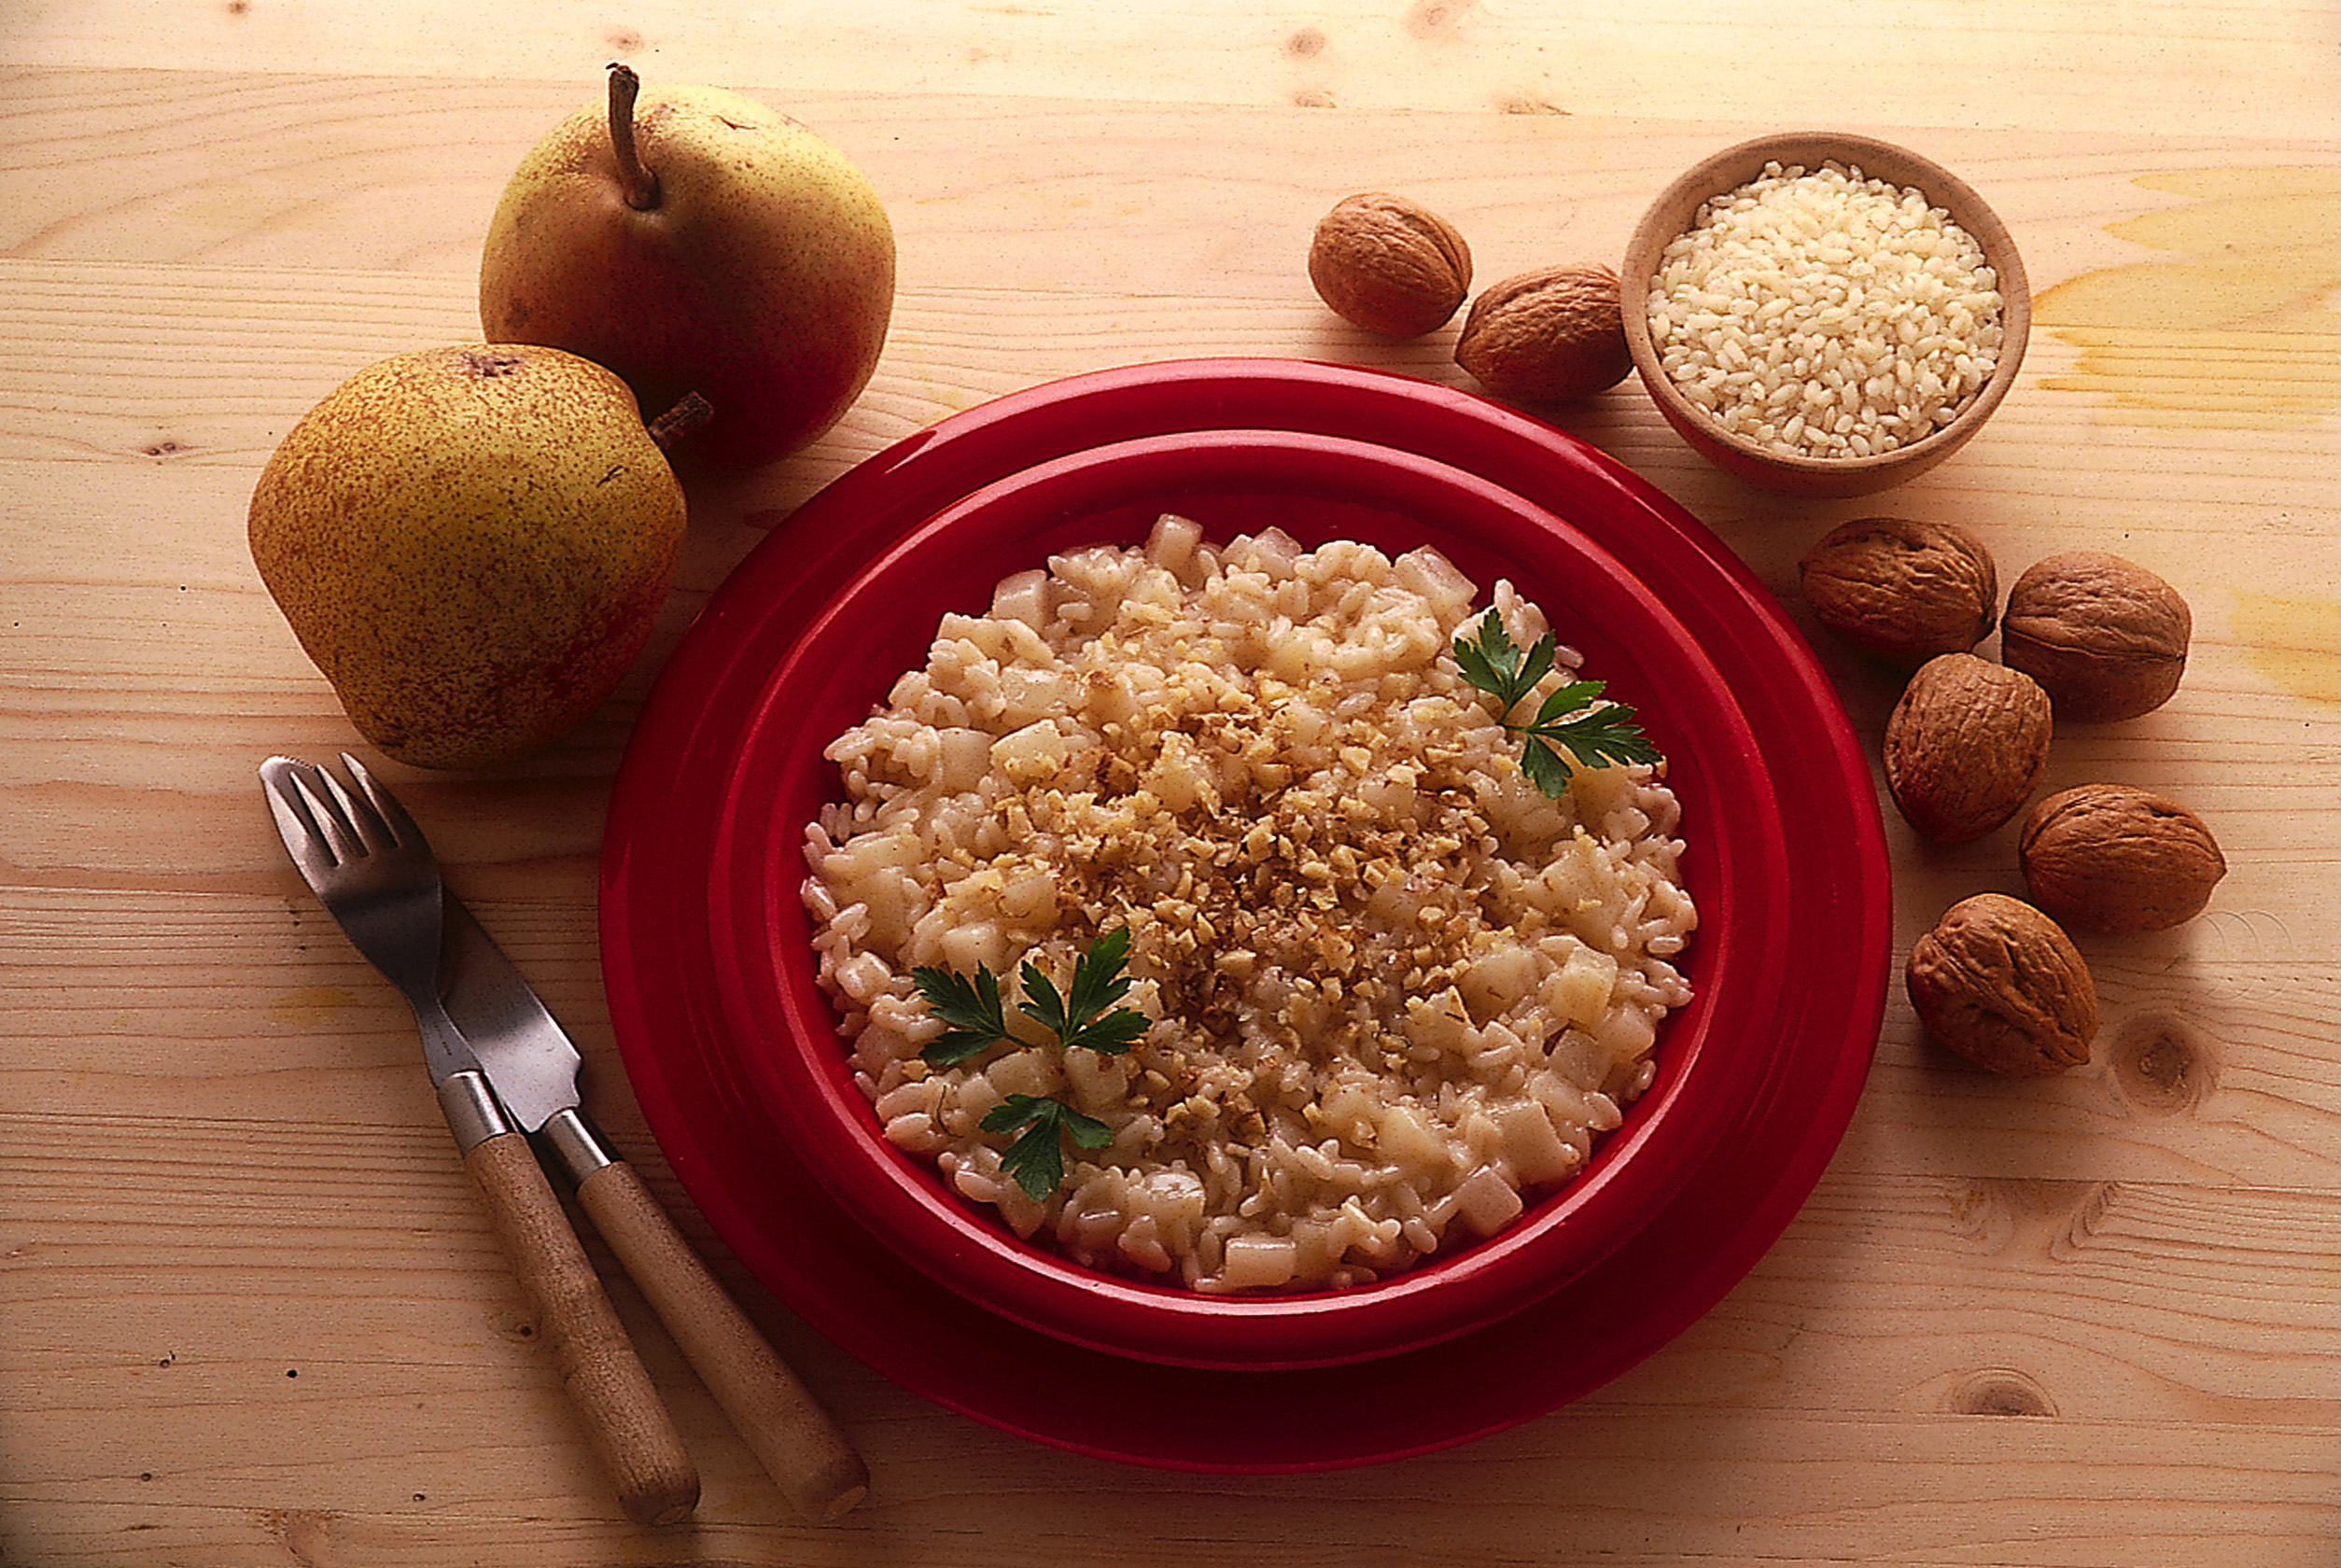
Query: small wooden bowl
{"x":1804,"y":475}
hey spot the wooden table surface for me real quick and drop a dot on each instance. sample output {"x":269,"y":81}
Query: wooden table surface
{"x":250,"y":1312}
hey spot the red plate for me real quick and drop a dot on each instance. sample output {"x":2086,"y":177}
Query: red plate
{"x":670,"y":948}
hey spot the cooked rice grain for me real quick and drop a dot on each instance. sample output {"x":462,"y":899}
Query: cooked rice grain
{"x":1395,"y":989}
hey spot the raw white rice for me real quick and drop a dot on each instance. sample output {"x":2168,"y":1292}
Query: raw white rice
{"x":1826,"y":314}
{"x":1395,"y":989}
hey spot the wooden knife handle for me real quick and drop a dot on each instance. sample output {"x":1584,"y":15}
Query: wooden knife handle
{"x":791,"y":1435}
{"x":629,"y":1427}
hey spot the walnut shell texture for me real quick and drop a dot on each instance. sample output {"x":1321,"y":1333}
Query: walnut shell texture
{"x":1966,"y":746}
{"x":1389,"y":264}
{"x":2105,"y":637}
{"x":1902,"y":589}
{"x":1550,"y":336}
{"x":2117,"y":859}
{"x":2000,"y":982}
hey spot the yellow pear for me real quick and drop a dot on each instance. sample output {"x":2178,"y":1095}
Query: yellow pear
{"x":692,"y":240}
{"x":472,"y":543}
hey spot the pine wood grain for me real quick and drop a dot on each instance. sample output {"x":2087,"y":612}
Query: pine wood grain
{"x":2154,"y":66}
{"x":249,"y":1310}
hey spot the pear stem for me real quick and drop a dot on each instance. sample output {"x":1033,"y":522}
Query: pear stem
{"x":641,"y":183}
{"x":687,"y":415}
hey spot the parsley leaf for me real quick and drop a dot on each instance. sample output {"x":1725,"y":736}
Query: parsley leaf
{"x":1080,"y":1017}
{"x":1596,"y":733}
{"x":970,"y":1008}
{"x":1036,"y":1160}
{"x":1495,"y":665}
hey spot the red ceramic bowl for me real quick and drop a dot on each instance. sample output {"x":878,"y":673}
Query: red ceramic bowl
{"x":733,"y":1054}
{"x":1317,"y":487}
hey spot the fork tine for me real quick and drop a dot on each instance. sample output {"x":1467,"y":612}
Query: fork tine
{"x":308,"y":822}
{"x":294,"y":822}
{"x":397,"y":826}
{"x":330,"y":812}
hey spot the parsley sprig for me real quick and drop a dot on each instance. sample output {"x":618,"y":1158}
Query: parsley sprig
{"x":969,"y":1009}
{"x":1082,"y":1016}
{"x":1080,"y":1019}
{"x":1036,"y":1159}
{"x":1597,"y":733}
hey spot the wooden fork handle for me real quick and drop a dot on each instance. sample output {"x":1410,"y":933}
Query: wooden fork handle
{"x":803,"y":1451}
{"x":628,"y":1425}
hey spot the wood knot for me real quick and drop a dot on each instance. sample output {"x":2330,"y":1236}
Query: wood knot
{"x":1429,"y":18}
{"x":2160,"y":1065}
{"x":2044,"y":1217}
{"x":306,"y":1534}
{"x":1999,"y":1390}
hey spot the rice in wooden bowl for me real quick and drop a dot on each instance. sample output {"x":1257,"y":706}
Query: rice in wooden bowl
{"x":1823,"y":313}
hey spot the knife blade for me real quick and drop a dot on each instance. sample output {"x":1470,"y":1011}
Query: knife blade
{"x":533,"y":1067}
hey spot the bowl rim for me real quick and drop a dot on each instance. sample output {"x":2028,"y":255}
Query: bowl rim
{"x":802,"y":1068}
{"x":1728,"y":168}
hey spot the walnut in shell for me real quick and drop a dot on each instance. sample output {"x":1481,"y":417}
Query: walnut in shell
{"x":2000,"y":982}
{"x":1902,"y":589}
{"x":1389,"y":265}
{"x":1966,"y":746}
{"x":1547,"y":337}
{"x":2106,"y":637}
{"x":2117,"y":859}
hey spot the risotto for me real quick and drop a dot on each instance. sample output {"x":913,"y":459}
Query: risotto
{"x":1391,"y":991}
{"x":1824,"y":314}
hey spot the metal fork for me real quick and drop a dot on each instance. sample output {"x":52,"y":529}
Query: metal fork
{"x":372,"y":868}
